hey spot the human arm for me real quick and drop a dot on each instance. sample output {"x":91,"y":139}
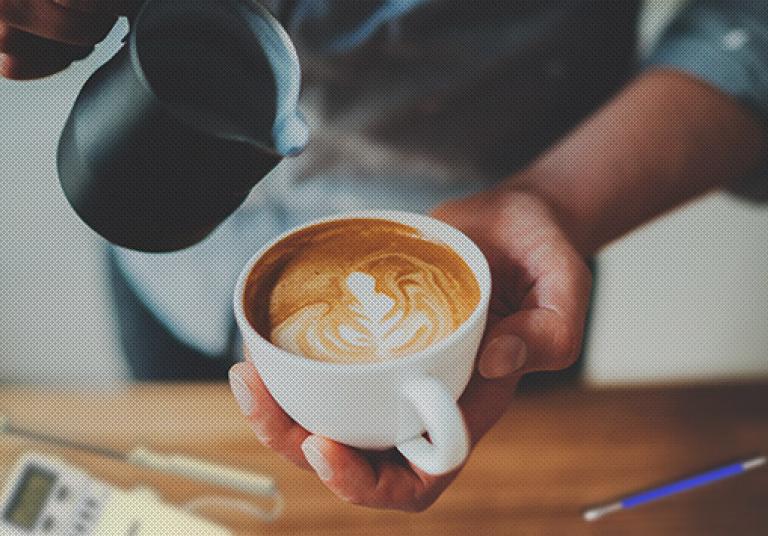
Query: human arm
{"x":614,"y":172}
{"x":708,"y":80}
{"x":632,"y":162}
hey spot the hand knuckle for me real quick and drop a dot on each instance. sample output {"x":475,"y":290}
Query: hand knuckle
{"x":568,"y":340}
{"x":575,"y":272}
{"x":566,"y":344}
{"x":582,"y":275}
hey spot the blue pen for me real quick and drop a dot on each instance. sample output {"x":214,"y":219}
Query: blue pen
{"x":675,"y":487}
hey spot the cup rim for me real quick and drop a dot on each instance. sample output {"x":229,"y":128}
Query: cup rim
{"x":477,"y":263}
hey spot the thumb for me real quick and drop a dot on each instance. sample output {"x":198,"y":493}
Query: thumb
{"x":530,"y":340}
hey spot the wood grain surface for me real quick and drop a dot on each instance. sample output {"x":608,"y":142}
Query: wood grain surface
{"x":555,"y":452}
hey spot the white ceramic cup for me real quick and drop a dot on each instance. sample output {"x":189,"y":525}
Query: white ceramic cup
{"x":383,"y":404}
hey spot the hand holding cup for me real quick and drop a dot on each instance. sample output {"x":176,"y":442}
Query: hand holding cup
{"x":537,"y":309}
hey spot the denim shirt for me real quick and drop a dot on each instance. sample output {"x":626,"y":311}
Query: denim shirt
{"x":724,"y":43}
{"x":415,"y":101}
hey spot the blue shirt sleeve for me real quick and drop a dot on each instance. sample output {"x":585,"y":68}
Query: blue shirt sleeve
{"x":724,"y":43}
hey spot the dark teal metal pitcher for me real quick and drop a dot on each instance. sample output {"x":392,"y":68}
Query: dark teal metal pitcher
{"x":166,"y":139}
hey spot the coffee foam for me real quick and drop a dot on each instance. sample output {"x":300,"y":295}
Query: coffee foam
{"x":359,"y":290}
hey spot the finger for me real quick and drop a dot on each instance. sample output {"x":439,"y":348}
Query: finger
{"x":27,"y":56}
{"x":19,"y":42}
{"x":501,"y":353}
{"x":7,"y":38}
{"x":343,"y":470}
{"x":546,"y":333}
{"x":51,"y":21}
{"x":380,"y":482}
{"x":17,"y":68}
{"x":484,"y":401}
{"x":271,"y":425}
{"x":545,"y":337}
{"x":111,"y":7}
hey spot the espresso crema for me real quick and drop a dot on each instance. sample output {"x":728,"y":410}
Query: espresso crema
{"x":359,"y":290}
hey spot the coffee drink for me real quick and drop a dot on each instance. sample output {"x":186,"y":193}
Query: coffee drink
{"x":359,"y":290}
{"x":364,"y":329}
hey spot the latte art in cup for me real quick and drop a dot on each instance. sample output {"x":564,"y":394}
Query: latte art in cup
{"x":359,"y":290}
{"x":365,"y":327}
{"x":368,"y":323}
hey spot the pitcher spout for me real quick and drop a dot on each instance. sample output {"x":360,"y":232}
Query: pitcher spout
{"x":291,"y":134}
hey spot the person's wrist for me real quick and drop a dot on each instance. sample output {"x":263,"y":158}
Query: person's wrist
{"x":534,"y":186}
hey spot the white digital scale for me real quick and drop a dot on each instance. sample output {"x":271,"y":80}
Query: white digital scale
{"x":46,"y":496}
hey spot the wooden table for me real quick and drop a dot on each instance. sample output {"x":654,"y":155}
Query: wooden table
{"x":554,"y":453}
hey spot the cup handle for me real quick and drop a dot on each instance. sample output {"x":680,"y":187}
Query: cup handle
{"x":442,"y":418}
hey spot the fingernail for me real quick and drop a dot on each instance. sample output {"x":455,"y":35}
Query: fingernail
{"x":311,"y":449}
{"x":504,"y":355}
{"x":241,"y":392}
{"x":260,"y":432}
